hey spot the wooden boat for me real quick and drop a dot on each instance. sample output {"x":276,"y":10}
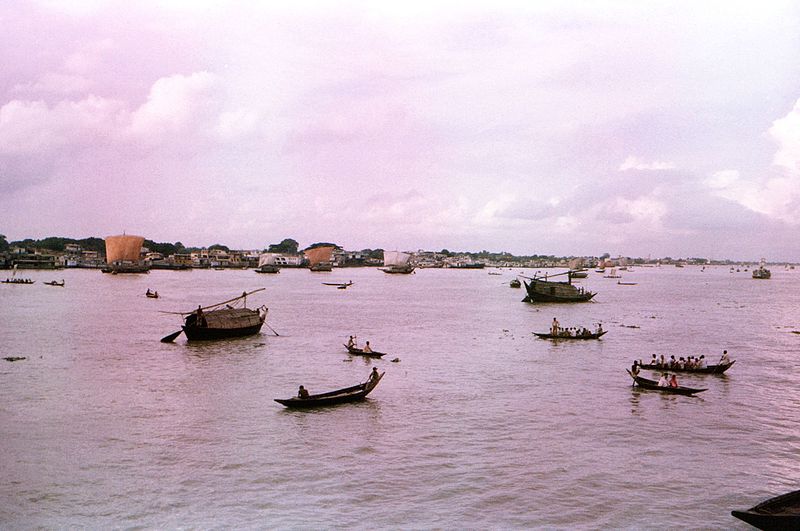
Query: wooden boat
{"x":397,"y":263}
{"x":594,"y":335}
{"x":762,"y":272}
{"x":515,"y":283}
{"x":621,"y":283}
{"x":54,"y":283}
{"x":221,"y":320}
{"x":581,"y":273}
{"x":123,"y":255}
{"x":18,"y":281}
{"x":710,"y":369}
{"x":612,"y":274}
{"x":340,"y":396}
{"x":644,"y":383}
{"x":151,"y":294}
{"x":320,"y":258}
{"x":540,"y":289}
{"x":360,"y":352}
{"x":778,"y":513}
{"x":268,"y":268}
{"x":339,"y":285}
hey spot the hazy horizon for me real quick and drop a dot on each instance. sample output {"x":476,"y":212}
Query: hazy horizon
{"x":532,"y":128}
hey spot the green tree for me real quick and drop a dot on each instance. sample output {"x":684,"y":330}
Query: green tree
{"x":288,"y":246}
{"x":218,"y":246}
{"x":3,"y":243}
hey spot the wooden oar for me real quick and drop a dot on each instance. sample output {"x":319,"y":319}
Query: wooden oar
{"x":170,"y":338}
{"x":268,"y":326}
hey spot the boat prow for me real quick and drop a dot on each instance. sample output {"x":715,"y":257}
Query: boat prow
{"x":778,"y":513}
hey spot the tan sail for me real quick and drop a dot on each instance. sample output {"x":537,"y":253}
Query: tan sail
{"x":319,"y":254}
{"x":395,"y":258}
{"x":123,"y":248}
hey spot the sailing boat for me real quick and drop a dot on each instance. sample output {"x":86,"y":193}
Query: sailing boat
{"x":320,"y":258}
{"x":122,"y":255}
{"x":397,"y":262}
{"x":266,"y":264}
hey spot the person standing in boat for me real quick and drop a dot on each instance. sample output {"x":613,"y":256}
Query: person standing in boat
{"x":351,"y":343}
{"x":635,"y":369}
{"x":554,"y":327}
{"x":200,"y":319}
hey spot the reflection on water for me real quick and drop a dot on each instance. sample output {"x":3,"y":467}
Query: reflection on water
{"x":480,"y":425}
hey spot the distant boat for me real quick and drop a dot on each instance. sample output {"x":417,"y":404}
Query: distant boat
{"x":515,"y":283}
{"x":652,"y":385}
{"x":339,"y":285}
{"x":397,"y":262}
{"x":778,"y":513}
{"x":18,"y":281}
{"x":540,"y":289}
{"x":54,"y":283}
{"x":580,"y":273}
{"x":612,"y":274}
{"x":340,"y":396}
{"x":123,"y":255}
{"x":320,"y":258}
{"x":266,"y":264}
{"x":360,"y":352}
{"x":222,"y":320}
{"x":594,"y":335}
{"x":762,"y":272}
{"x":621,"y":283}
{"x":151,"y":294}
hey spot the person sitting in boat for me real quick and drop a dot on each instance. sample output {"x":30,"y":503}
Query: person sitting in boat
{"x":724,"y":360}
{"x":367,"y":348}
{"x":302,"y":392}
{"x":673,"y":382}
{"x":654,"y":361}
{"x":672,"y":362}
{"x":149,"y":292}
{"x":599,"y":328}
{"x":351,"y":343}
{"x":663,"y":382}
{"x":681,"y":363}
{"x":663,"y":361}
{"x":701,"y":362}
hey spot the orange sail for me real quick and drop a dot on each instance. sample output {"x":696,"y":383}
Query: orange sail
{"x":319,"y":254}
{"x":123,"y":248}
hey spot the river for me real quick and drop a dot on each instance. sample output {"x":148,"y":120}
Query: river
{"x":478,"y":425}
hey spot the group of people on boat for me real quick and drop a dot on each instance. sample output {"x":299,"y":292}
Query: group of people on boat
{"x":557,"y":330}
{"x":690,"y":362}
{"x":18,"y":281}
{"x":664,"y":381}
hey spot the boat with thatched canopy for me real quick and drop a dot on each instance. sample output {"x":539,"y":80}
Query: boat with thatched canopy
{"x":541,"y":289}
{"x":231,"y":318}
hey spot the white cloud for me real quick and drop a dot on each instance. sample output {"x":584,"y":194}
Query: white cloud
{"x":635,"y":163}
{"x":174,"y":104}
{"x":786,"y":131}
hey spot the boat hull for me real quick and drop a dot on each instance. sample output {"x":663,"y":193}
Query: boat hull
{"x":590,"y":336}
{"x":332,"y":398}
{"x":778,"y":513}
{"x":359,"y":352}
{"x":711,"y":369}
{"x":197,"y":333}
{"x":652,"y":385}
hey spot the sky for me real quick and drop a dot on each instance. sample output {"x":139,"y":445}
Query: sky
{"x":565,"y":128}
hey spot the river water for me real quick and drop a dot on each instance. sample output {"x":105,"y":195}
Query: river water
{"x":478,"y":425}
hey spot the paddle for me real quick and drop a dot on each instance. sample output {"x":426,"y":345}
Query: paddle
{"x":170,"y":338}
{"x":268,"y":326}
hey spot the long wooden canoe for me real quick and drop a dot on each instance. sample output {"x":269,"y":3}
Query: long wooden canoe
{"x":340,"y":396}
{"x":644,"y":383}
{"x":360,"y":352}
{"x":589,"y":336}
{"x":780,"y":512}
{"x":711,"y":369}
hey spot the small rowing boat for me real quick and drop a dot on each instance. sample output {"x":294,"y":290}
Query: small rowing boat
{"x":339,"y":285}
{"x":54,"y":283}
{"x":340,"y":396}
{"x":780,"y":512}
{"x":652,"y":385}
{"x":360,"y":352}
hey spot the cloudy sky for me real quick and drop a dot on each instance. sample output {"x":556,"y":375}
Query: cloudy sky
{"x":634,"y":128}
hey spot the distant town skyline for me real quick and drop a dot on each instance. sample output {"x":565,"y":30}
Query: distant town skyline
{"x":533,"y":128}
